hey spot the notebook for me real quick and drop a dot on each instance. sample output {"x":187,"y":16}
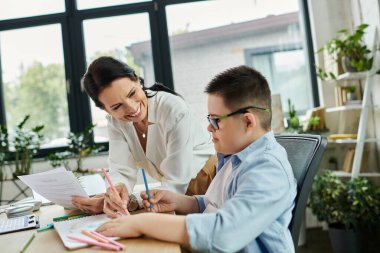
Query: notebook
{"x":75,"y":226}
{"x":19,"y":223}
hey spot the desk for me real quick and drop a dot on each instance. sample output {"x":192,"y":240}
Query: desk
{"x":49,"y":240}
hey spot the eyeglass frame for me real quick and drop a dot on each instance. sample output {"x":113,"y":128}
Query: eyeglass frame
{"x":214,"y":121}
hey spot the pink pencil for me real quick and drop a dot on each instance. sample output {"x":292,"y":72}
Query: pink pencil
{"x":85,"y":232}
{"x":103,"y":245}
{"x":106,"y":238}
{"x":112,"y":187}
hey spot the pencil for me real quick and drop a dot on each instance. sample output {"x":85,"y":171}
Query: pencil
{"x":48,"y":226}
{"x":28,"y":243}
{"x":90,"y":242}
{"x":106,"y":238}
{"x":146,"y":186}
{"x":112,"y":187}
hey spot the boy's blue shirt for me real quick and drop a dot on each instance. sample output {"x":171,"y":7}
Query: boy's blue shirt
{"x":258,"y":204}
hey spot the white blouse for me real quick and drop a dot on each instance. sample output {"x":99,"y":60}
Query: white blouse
{"x":177,"y":145}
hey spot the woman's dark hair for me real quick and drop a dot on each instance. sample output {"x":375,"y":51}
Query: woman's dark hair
{"x":104,"y":70}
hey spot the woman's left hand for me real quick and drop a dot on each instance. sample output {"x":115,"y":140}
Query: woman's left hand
{"x":125,"y":226}
{"x":93,"y":205}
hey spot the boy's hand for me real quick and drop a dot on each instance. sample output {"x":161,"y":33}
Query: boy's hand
{"x":121,"y":227}
{"x":115,"y":203}
{"x":93,"y":205}
{"x":162,"y":201}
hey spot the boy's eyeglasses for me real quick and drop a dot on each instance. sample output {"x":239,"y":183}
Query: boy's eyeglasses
{"x":214,"y":121}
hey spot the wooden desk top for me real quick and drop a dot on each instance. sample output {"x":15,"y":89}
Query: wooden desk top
{"x":49,"y":240}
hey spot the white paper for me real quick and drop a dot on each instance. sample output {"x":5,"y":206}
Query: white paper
{"x":55,"y":185}
{"x":93,"y":184}
{"x":75,"y":226}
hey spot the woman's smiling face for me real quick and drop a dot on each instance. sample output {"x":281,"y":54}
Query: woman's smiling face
{"x":125,"y":100}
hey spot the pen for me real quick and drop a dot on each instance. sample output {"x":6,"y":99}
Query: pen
{"x":146,"y":186}
{"x":108,"y":239}
{"x":103,"y":245}
{"x":65,"y":217}
{"x":48,"y":226}
{"x":28,"y":243}
{"x":112,"y":187}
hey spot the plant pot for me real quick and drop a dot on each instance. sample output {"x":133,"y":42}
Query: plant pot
{"x":353,"y":241}
{"x":343,"y":240}
{"x":351,"y":96}
{"x":346,"y":65}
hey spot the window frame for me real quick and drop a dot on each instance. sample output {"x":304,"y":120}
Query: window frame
{"x":74,"y":54}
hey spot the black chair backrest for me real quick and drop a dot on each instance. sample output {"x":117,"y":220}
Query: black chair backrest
{"x":304,"y":154}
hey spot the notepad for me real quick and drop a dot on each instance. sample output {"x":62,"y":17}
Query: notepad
{"x":19,"y":223}
{"x":75,"y":226}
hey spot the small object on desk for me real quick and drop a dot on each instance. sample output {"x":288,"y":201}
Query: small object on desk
{"x":107,"y":239}
{"x":95,"y":243}
{"x":28,"y":243}
{"x":19,"y":210}
{"x":146,"y":186}
{"x":19,"y":224}
{"x":69,"y":217}
{"x":48,"y":226}
{"x":93,"y":236}
{"x":113,"y":188}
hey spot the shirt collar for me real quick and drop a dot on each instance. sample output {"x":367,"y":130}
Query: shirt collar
{"x":241,"y":156}
{"x":152,"y":105}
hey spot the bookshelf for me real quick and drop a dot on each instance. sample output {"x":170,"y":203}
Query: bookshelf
{"x":355,"y":151}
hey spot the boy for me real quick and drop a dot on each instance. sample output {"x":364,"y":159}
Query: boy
{"x":248,"y":206}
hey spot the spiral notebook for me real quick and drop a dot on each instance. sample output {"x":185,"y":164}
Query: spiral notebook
{"x":75,"y":226}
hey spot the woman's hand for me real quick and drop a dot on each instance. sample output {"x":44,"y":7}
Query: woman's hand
{"x":125,"y":227}
{"x":161,"y":200}
{"x":93,"y":205}
{"x":115,"y":203}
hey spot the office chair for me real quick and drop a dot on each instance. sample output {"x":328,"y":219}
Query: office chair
{"x":304,"y":154}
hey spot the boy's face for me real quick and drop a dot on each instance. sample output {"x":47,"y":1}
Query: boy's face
{"x":229,"y":138}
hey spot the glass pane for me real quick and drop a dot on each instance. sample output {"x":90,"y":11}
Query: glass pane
{"x":285,"y":70}
{"x":34,"y":77}
{"x":87,"y":4}
{"x":116,"y":37}
{"x":10,"y":9}
{"x":208,"y":37}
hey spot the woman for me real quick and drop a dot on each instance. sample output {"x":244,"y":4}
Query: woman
{"x":147,"y":128}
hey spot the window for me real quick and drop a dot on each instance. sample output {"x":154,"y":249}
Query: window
{"x":285,"y":69}
{"x":112,"y":37}
{"x":46,"y":46}
{"x":34,"y":79}
{"x":202,"y":44}
{"x":87,"y":4}
{"x":10,"y":9}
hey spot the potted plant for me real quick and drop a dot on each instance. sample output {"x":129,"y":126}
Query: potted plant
{"x":80,"y":146}
{"x":351,"y":89}
{"x":26,"y":143}
{"x":4,"y":150}
{"x":293,"y":120}
{"x":349,"y":50}
{"x":351,"y":210}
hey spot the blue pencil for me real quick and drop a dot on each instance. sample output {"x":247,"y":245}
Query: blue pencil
{"x":146,"y":186}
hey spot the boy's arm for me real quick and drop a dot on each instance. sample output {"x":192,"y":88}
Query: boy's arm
{"x":187,"y":204}
{"x":167,"y":201}
{"x":171,"y":228}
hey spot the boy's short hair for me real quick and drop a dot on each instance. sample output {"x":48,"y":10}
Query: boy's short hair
{"x":243,"y":86}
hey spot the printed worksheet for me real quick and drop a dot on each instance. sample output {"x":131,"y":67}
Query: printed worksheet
{"x":56,"y":185}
